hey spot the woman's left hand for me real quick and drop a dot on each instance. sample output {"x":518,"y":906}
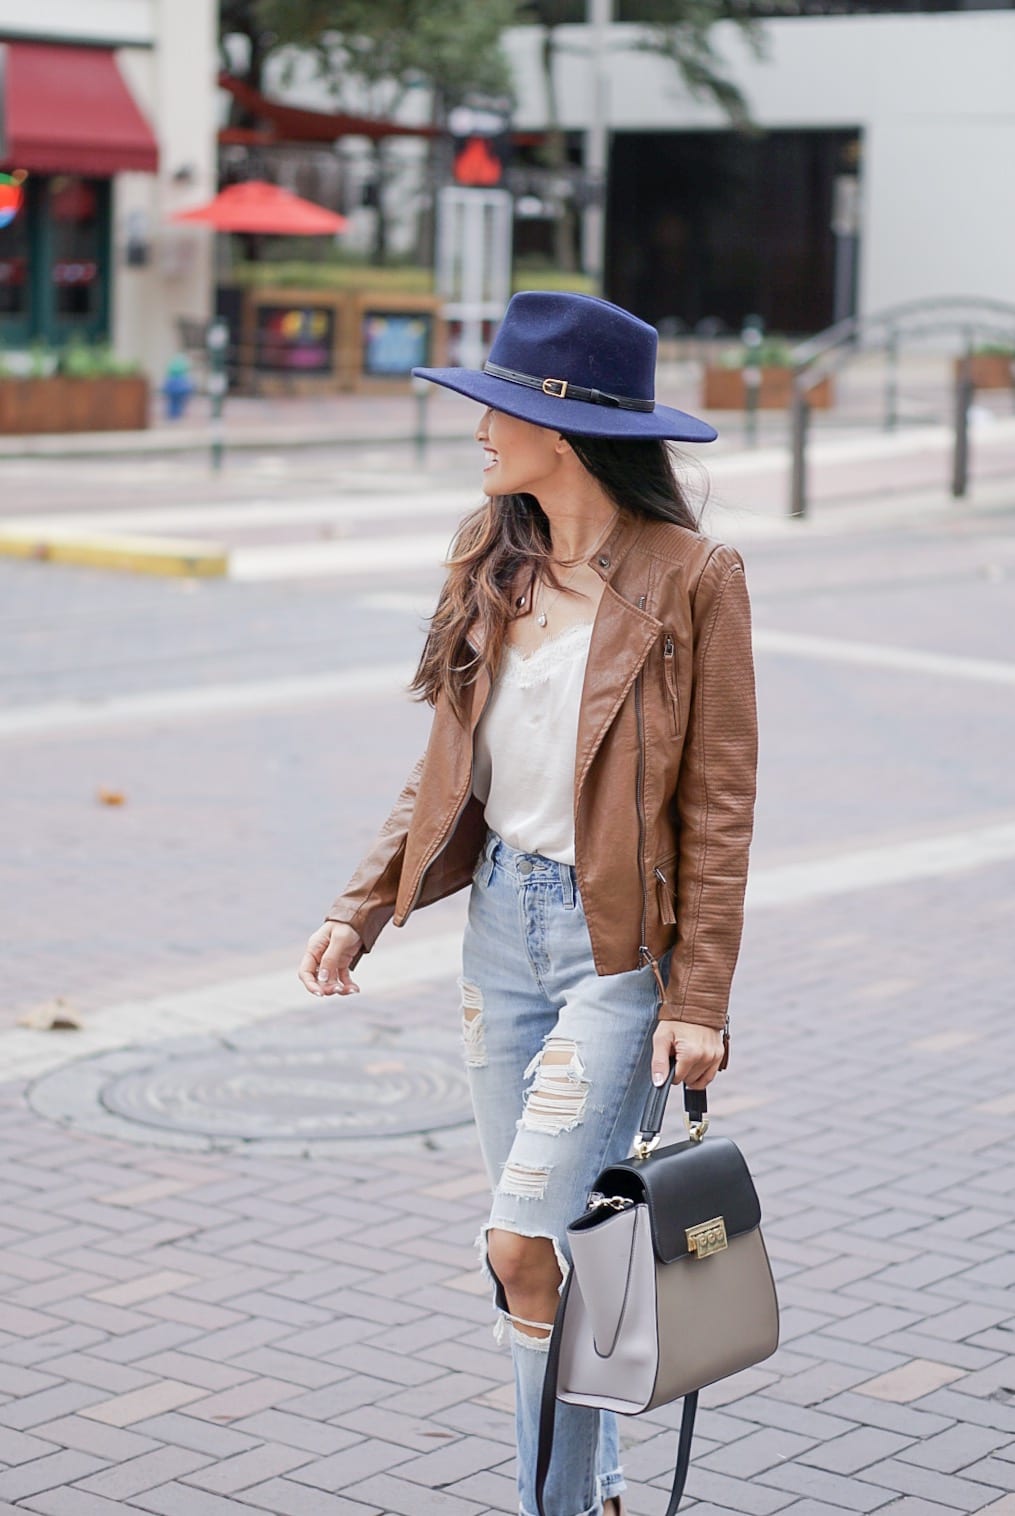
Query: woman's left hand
{"x":698,"y":1051}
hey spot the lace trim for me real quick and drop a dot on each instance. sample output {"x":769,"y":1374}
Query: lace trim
{"x":523,"y":670}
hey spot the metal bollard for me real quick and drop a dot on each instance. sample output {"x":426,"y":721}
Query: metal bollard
{"x":421,"y":388}
{"x":892,"y":381}
{"x":960,"y":454}
{"x":217,"y":341}
{"x":752,"y":393}
{"x":799,"y":418}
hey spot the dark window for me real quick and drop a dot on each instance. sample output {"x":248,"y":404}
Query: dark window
{"x":707,"y":226}
{"x":76,"y":217}
{"x":14,"y":289}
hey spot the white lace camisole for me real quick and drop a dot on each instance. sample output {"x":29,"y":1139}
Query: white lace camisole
{"x":525,"y":745}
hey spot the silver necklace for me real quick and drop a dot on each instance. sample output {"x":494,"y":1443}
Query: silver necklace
{"x":541,"y":618}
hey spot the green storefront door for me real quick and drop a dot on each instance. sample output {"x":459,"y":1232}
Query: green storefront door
{"x":55,"y":262}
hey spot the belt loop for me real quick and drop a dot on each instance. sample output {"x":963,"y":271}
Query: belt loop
{"x":484,"y":873}
{"x":567,"y":885}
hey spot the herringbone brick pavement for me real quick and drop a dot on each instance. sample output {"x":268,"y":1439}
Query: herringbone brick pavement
{"x":213,"y":1334}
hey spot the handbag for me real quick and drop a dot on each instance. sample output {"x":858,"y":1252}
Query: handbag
{"x":670,"y":1287}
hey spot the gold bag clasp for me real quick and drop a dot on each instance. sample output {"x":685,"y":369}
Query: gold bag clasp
{"x":707,"y":1238}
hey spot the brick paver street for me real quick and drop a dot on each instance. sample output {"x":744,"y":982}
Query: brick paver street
{"x":221,"y":1293}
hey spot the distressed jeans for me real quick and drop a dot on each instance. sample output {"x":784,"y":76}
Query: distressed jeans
{"x":547,"y":1126}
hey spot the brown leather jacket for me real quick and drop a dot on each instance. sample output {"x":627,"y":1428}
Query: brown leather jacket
{"x":664,"y":777}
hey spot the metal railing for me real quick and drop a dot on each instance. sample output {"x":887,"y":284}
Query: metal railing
{"x":972,"y":319}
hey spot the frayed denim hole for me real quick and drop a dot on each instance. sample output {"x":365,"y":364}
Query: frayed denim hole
{"x":559,"y":1094}
{"x":473,"y":1025}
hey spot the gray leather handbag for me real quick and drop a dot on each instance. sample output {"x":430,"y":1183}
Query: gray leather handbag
{"x":670,"y":1287}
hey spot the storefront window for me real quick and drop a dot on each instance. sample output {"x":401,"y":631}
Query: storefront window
{"x":77,"y":222}
{"x":14,"y":288}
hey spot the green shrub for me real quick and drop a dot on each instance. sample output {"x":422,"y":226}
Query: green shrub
{"x":393,"y":279}
{"x":92,"y":360}
{"x":771,"y":352}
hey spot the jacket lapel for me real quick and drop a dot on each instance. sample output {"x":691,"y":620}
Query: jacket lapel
{"x":622,"y":637}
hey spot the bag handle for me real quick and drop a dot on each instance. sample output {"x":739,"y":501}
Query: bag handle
{"x":548,"y":1411}
{"x":695,"y":1114}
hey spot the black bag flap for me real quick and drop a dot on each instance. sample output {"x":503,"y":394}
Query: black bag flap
{"x":684,"y":1186}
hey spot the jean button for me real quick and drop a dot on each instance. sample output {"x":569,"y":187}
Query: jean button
{"x":524,"y":867}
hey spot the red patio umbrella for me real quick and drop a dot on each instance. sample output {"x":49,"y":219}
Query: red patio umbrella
{"x":257,"y":206}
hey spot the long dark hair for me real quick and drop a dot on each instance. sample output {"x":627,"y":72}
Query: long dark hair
{"x":508,"y":539}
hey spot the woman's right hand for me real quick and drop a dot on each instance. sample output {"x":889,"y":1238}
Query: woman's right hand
{"x":324,"y":969}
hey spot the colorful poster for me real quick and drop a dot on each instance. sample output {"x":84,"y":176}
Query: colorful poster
{"x":296,"y":339}
{"x":395,"y":342}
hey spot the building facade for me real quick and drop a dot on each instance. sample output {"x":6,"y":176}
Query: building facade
{"x":109,"y":107}
{"x":882,"y":174}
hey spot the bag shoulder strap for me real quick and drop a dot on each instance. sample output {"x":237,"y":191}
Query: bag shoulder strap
{"x":548,"y":1411}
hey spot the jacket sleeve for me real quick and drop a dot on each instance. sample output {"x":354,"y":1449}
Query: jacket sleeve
{"x":715,"y":798}
{"x":368,"y":901}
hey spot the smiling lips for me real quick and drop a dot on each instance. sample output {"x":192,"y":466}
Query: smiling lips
{"x":490,"y":460}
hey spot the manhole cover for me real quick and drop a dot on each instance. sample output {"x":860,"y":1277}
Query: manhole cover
{"x":296,"y":1093}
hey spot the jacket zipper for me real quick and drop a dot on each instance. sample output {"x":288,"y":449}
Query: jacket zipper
{"x":670,"y":669}
{"x":639,"y":710}
{"x":428,"y":865}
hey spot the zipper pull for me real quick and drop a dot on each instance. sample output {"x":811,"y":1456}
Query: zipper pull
{"x":668,"y":648}
{"x":666,"y":912}
{"x":647,"y":959}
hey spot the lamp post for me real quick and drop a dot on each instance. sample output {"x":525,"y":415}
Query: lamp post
{"x":598,"y":15}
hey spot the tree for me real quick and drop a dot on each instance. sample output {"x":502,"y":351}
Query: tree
{"x":680,"y":30}
{"x":245,"y":19}
{"x":371,"y":53}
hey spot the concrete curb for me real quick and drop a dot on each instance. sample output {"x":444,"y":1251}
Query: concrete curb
{"x":166,"y":556}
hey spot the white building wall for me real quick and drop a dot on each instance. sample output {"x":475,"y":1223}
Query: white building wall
{"x":174,"y":84}
{"x":114,"y":22}
{"x":932,"y":95}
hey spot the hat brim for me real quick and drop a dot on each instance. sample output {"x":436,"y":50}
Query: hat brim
{"x":579,"y":417}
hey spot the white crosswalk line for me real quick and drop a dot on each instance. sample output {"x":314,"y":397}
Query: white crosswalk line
{"x":351,"y":556}
{"x":379,"y":681}
{"x":395,"y":965}
{"x":875,"y":867}
{"x":382,"y":681}
{"x":877,"y":655}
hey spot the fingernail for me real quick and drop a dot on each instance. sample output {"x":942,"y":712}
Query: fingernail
{"x":658,"y":1076}
{"x":322,"y":975}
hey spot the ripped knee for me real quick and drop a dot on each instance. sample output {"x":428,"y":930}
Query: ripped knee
{"x":473,"y":1025}
{"x":559,"y":1093}
{"x":525,"y":1266}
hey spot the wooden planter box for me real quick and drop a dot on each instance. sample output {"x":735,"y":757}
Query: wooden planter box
{"x":989,"y":371}
{"x":724,"y":390}
{"x":116,"y":403}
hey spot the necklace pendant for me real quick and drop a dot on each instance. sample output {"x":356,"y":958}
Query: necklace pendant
{"x":541,"y":619}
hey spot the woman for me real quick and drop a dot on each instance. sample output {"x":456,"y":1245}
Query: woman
{"x":590,"y":772}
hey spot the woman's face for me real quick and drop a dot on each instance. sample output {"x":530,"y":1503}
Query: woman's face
{"x":518,"y":457}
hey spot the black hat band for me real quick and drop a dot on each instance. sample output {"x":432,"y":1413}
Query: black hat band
{"x":562,"y":389}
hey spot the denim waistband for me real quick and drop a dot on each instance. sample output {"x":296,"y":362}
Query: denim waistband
{"x":528,"y":868}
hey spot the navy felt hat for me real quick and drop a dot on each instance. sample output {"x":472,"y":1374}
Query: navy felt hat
{"x":575,"y":364}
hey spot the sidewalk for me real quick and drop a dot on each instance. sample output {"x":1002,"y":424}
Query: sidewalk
{"x":358,"y":420}
{"x":200,"y":1324}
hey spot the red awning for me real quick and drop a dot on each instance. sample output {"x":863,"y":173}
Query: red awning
{"x":67,"y":110}
{"x":291,"y":123}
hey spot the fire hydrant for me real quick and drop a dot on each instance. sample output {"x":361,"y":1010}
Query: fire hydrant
{"x":177,"y":387}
